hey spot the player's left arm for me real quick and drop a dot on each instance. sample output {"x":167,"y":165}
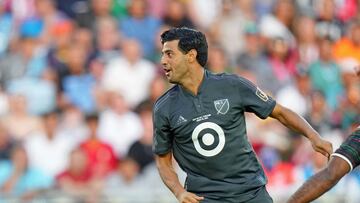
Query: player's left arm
{"x":298,"y":124}
{"x":321,"y":182}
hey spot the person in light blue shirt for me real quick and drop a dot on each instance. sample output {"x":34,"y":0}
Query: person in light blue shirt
{"x":78,"y":86}
{"x":18,"y":179}
{"x":40,"y":94}
{"x":6,"y":25}
{"x":140,"y":26}
{"x":78,"y":89}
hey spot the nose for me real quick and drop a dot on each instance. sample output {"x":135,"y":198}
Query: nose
{"x":163,"y":60}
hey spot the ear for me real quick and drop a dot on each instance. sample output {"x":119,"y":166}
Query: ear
{"x":191,"y":56}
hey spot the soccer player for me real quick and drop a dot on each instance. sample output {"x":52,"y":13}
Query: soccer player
{"x":201,"y":122}
{"x":344,"y":160}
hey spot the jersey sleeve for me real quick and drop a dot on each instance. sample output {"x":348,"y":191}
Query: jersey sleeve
{"x":163,"y":138}
{"x":254,"y":100}
{"x":350,"y":150}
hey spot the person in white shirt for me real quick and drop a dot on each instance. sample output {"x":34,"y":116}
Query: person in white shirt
{"x":118,"y":126}
{"x":129,"y":74}
{"x":48,"y":150}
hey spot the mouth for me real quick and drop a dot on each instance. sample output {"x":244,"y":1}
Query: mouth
{"x":167,"y":72}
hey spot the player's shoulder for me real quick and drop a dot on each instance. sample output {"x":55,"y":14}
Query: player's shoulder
{"x":166,"y":98}
{"x":357,"y":131}
{"x":231,"y":79}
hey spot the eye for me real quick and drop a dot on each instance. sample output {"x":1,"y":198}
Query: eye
{"x":169,"y":54}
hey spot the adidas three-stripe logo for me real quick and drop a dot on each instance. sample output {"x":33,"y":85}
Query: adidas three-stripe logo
{"x":180,"y":120}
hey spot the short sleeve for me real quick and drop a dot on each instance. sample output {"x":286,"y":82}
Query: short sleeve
{"x":254,"y":100}
{"x":162,"y":134}
{"x":350,"y":150}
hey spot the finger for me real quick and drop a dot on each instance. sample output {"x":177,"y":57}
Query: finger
{"x":199,"y":198}
{"x":323,"y":152}
{"x":192,"y":200}
{"x":327,"y":154}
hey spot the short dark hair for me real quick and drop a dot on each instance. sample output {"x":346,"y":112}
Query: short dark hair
{"x":188,"y":39}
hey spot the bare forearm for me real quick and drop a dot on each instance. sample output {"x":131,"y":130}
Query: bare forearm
{"x":321,"y":182}
{"x":171,"y":180}
{"x":313,"y":188}
{"x":168,"y":174}
{"x":296,"y":123}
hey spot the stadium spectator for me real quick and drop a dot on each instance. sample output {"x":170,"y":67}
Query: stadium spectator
{"x":71,"y":124}
{"x":218,"y":61}
{"x":141,"y":150}
{"x":119,"y":126}
{"x":319,"y":114}
{"x":91,"y":12}
{"x":28,"y":59}
{"x":296,"y":95}
{"x":306,"y":40}
{"x":48,"y":150}
{"x":107,"y":40}
{"x":100,"y":155}
{"x":129,"y":70}
{"x":141,"y":26}
{"x":18,"y":122}
{"x":46,"y":11}
{"x":278,"y":23}
{"x":78,"y":85}
{"x":327,"y":24}
{"x":17,"y":178}
{"x":282,"y":60}
{"x":204,"y":13}
{"x":228,"y":30}
{"x":76,"y":181}
{"x":325,"y":73}
{"x":176,"y":14}
{"x":252,"y":62}
{"x":349,"y":45}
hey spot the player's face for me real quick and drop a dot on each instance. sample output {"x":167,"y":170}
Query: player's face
{"x":174,"y":62}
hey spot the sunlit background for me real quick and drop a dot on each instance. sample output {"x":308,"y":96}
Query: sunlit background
{"x":78,"y":79}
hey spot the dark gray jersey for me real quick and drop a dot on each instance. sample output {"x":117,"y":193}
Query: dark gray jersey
{"x":207,"y":135}
{"x":350,"y":149}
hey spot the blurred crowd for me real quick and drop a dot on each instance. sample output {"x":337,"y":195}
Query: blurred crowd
{"x":78,"y":79}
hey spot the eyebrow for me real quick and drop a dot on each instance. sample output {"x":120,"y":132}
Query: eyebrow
{"x":167,"y":51}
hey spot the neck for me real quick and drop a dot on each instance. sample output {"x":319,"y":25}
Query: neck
{"x":193,"y":80}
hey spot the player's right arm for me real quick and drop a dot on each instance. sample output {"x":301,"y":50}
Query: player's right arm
{"x":343,"y":161}
{"x":321,"y":182}
{"x":167,"y":172}
{"x":162,"y":147}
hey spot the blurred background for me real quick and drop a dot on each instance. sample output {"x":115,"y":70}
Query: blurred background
{"x":78,"y":79}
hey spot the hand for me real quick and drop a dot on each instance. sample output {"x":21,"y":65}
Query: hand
{"x":322,"y":146}
{"x":188,"y":197}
